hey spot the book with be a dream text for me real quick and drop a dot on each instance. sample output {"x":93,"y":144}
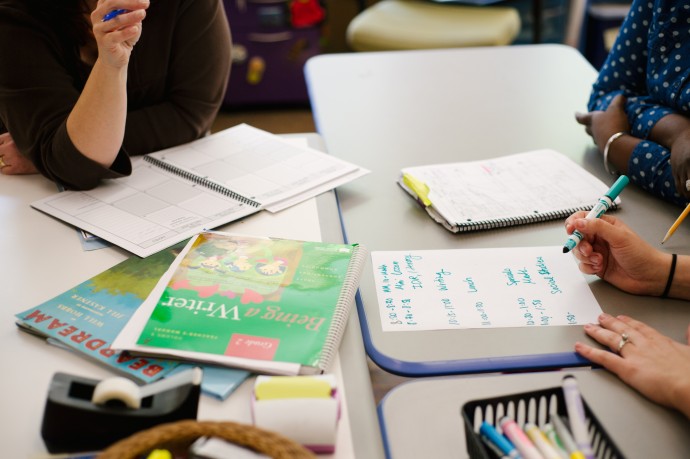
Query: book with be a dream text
{"x":86,"y":319}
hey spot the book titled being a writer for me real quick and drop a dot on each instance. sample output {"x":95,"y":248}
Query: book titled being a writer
{"x":273,"y":306}
{"x":86,"y":319}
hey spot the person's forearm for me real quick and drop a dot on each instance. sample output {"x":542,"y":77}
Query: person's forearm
{"x":681,"y":396}
{"x":620,"y":151}
{"x":96,"y":124}
{"x":667,"y":130}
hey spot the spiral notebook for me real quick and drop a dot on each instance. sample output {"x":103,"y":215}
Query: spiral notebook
{"x":174,"y":193}
{"x":510,"y":190}
{"x":267,"y":305}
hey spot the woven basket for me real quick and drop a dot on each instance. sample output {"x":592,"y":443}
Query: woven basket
{"x":183,"y":433}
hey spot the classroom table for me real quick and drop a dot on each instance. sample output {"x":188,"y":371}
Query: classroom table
{"x":389,"y":110}
{"x":42,"y":257}
{"x":638,"y":427}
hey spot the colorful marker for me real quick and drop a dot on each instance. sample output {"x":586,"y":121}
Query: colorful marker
{"x":550,"y":433}
{"x":518,"y":438}
{"x":501,"y":442}
{"x":541,"y":442}
{"x":566,"y":438}
{"x":576,"y":416}
{"x":113,"y":14}
{"x":605,"y":202}
{"x":492,"y":447}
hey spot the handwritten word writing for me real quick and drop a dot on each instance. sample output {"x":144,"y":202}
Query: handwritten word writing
{"x":440,"y":280}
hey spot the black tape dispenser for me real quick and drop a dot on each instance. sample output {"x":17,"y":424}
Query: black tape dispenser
{"x":89,"y":415}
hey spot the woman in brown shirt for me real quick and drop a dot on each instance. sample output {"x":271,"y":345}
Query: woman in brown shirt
{"x":79,"y":95}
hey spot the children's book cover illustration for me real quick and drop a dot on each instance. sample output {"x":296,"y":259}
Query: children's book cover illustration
{"x":253,"y":298}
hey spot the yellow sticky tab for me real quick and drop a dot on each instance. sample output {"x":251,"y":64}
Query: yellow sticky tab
{"x":420,"y":188}
{"x":279,"y":387}
{"x":159,"y":454}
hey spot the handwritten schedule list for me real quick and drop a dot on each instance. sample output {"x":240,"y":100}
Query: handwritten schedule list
{"x":480,"y":288}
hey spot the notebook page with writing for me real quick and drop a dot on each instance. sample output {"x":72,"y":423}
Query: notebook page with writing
{"x":510,"y":190}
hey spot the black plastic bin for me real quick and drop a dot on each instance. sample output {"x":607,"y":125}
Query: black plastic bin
{"x":534,"y":407}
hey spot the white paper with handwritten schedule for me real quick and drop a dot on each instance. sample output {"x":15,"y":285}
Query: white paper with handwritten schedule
{"x":481,"y":288}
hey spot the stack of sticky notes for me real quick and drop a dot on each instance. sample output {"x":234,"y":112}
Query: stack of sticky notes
{"x":305,"y":409}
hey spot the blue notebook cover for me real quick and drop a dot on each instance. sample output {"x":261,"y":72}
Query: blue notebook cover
{"x":86,"y":319}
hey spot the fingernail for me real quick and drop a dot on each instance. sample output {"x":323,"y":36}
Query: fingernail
{"x":604,"y":316}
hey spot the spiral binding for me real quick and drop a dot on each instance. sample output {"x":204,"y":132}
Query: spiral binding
{"x":203,"y":181}
{"x":514,"y":221}
{"x":342,"y":307}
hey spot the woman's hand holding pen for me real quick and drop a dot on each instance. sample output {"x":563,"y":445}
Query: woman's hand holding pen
{"x":618,"y":255}
{"x":116,"y":37}
{"x":96,"y":124}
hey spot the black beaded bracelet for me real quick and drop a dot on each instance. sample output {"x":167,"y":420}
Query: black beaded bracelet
{"x":674,"y":257}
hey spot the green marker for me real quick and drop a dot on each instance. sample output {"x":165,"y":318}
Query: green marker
{"x":598,"y":210}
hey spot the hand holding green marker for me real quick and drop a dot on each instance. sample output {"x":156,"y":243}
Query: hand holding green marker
{"x":598,"y":210}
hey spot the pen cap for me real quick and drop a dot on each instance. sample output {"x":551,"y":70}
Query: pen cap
{"x":617,"y":187}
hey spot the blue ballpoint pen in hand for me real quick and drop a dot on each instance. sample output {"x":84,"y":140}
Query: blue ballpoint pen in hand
{"x":597,"y":211}
{"x":113,"y":14}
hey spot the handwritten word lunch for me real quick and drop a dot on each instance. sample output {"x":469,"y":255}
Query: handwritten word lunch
{"x":479,"y":288}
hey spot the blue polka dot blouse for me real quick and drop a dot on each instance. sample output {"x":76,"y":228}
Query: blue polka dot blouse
{"x":650,"y":65}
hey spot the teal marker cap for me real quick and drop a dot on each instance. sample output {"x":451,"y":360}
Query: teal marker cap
{"x":617,"y":187}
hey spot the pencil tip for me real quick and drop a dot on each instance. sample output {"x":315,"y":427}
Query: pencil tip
{"x":566,"y":250}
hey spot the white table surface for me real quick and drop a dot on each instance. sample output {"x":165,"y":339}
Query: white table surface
{"x":389,"y":110}
{"x":42,"y":257}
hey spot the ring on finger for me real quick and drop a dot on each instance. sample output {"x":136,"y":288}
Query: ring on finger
{"x":624,"y":340}
{"x":2,"y":163}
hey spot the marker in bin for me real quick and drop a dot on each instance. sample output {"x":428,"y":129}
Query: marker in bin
{"x":492,"y":435}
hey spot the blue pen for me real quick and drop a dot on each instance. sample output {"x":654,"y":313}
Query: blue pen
{"x":501,"y":442}
{"x":597,"y":211}
{"x":113,"y":14}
